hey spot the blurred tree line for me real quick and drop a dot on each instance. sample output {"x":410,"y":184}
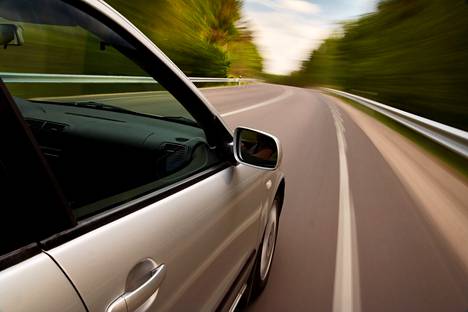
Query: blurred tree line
{"x":203,"y":37}
{"x":411,"y":54}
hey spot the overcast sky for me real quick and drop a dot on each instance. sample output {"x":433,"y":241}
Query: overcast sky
{"x":286,"y":31}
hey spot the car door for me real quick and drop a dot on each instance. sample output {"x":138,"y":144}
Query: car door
{"x":203,"y":235}
{"x":169,"y":233}
{"x":37,"y":284}
{"x":29,"y":279}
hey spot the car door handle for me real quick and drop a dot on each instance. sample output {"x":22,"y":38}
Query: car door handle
{"x":130,"y":301}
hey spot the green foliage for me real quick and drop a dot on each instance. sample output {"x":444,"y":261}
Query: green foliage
{"x":411,"y":54}
{"x":246,"y":60}
{"x":201,"y":36}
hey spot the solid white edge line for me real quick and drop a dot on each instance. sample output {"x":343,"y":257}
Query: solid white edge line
{"x":346,"y":292}
{"x":287,"y":92}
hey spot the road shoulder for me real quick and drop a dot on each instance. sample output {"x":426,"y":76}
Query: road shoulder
{"x":441,"y":193}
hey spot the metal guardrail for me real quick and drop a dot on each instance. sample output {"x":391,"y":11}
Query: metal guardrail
{"x":61,"y":78}
{"x":450,"y":137}
{"x":222,"y":80}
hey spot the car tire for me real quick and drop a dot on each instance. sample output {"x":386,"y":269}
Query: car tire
{"x":266,"y":252}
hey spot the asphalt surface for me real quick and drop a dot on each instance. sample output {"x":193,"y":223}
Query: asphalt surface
{"x":400,"y":263}
{"x":352,"y":237}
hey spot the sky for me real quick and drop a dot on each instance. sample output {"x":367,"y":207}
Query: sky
{"x":286,"y":31}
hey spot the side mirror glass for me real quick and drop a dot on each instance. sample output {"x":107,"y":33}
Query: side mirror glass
{"x":11,"y":34}
{"x":257,"y":149}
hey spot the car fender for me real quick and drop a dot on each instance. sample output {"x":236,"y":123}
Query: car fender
{"x":276,"y":180}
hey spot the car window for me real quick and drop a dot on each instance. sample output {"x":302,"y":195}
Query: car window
{"x":7,"y":244}
{"x":12,"y":224}
{"x":109,"y":132}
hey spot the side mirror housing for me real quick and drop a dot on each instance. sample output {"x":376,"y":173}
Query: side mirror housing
{"x":256,"y":149}
{"x":11,"y":34}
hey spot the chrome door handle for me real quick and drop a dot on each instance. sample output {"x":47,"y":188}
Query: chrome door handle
{"x":137,"y":297}
{"x":130,"y":301}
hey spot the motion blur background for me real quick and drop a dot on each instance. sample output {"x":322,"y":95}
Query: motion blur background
{"x":203,"y":37}
{"x":411,"y":54}
{"x":409,"y":204}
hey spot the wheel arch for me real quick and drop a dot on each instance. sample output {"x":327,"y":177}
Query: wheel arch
{"x":280,"y":192}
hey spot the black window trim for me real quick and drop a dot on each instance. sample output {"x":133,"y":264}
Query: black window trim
{"x":16,"y":138}
{"x":94,"y":222}
{"x":19,"y":255}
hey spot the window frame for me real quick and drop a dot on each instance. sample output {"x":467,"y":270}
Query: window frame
{"x":21,"y":155}
{"x":154,"y":62}
{"x":174,"y":81}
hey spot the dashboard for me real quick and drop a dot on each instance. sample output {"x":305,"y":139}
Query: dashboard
{"x":97,"y":153}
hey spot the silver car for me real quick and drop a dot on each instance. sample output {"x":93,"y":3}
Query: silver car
{"x":122,"y":188}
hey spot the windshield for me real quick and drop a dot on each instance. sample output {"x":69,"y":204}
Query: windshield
{"x":53,"y":53}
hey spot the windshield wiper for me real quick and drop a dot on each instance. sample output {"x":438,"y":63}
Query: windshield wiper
{"x":179,"y":119}
{"x":112,"y":108}
{"x":88,"y":104}
{"x":100,"y":106}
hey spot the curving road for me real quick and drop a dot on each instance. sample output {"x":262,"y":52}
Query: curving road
{"x":371,"y":222}
{"x":359,"y":231}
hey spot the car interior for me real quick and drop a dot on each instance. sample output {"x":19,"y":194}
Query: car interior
{"x":101,"y":156}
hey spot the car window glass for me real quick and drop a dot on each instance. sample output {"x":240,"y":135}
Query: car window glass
{"x":12,"y":224}
{"x":5,"y":193}
{"x":109,"y":132}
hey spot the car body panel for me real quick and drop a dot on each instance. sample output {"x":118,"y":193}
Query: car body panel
{"x":203,"y":234}
{"x":39,"y":285}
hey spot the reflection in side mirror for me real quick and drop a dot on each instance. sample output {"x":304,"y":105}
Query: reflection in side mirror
{"x":257,"y":149}
{"x":11,"y":34}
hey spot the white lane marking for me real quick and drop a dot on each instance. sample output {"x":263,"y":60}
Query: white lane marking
{"x":286,"y":93}
{"x":346,"y":293}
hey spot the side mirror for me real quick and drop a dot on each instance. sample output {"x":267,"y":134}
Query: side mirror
{"x":11,"y":34}
{"x":256,"y":149}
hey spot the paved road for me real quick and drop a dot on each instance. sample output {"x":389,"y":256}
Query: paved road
{"x":353,"y":234}
{"x":352,"y":238}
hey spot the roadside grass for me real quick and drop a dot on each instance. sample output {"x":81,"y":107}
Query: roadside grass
{"x":452,"y":159}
